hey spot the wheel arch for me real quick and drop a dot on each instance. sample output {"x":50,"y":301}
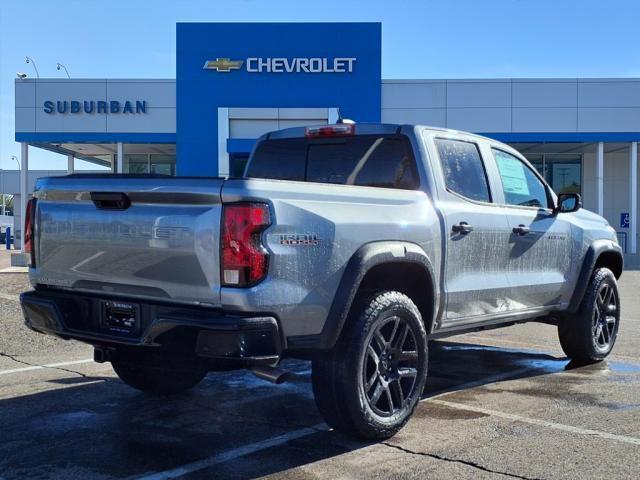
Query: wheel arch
{"x":402,"y":266}
{"x":602,"y":253}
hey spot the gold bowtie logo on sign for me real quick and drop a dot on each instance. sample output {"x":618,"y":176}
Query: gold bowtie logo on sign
{"x":223,"y":64}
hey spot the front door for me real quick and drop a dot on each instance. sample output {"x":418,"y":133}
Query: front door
{"x":539,"y":260}
{"x":475,"y":237}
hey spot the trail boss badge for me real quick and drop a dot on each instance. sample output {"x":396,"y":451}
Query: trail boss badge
{"x":299,"y":239}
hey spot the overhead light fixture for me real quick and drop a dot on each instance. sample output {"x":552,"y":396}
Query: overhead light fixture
{"x":61,"y":66}
{"x":30,"y":60}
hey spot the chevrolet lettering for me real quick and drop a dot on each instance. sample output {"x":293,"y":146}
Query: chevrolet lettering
{"x":284,"y":65}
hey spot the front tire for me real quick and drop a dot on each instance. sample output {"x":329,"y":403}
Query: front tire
{"x":590,"y":334}
{"x":369,"y":384}
{"x":160,"y":378}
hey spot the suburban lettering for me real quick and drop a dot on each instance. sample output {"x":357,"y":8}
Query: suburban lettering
{"x":93,"y":106}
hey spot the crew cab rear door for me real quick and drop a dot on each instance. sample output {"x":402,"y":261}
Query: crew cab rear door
{"x":475,"y":233}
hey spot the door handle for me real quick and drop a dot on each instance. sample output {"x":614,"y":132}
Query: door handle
{"x":462,"y":227}
{"x":110,"y":200}
{"x":521,"y":230}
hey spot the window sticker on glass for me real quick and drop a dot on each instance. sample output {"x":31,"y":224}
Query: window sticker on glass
{"x":514,"y":179}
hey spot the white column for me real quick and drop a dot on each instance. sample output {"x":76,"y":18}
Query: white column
{"x":600,"y":178}
{"x":70,"y":164}
{"x":223,"y":135}
{"x":2,"y":186}
{"x":120,"y":158}
{"x":24,"y":194}
{"x":633,"y":197}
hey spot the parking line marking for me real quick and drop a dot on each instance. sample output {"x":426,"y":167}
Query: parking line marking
{"x":539,"y":422}
{"x":235,"y":453}
{"x":279,"y":440}
{"x":49,"y":365}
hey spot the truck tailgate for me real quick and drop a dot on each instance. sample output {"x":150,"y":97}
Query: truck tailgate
{"x":163,"y":244}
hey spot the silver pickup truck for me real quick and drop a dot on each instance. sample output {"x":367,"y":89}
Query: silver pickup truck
{"x":349,"y":245}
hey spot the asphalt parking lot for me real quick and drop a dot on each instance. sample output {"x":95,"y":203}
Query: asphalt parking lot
{"x":498,"y":404}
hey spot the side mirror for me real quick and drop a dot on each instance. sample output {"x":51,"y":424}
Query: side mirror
{"x":568,"y":202}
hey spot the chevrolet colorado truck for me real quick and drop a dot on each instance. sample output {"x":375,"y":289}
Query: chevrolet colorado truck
{"x":349,"y":245}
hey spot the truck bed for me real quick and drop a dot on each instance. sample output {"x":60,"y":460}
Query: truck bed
{"x":163,"y":245}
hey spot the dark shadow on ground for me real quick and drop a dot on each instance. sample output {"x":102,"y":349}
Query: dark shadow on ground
{"x":92,"y":426}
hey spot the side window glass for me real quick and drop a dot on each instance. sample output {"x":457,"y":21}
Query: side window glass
{"x":520,"y":184}
{"x":387,"y":164}
{"x":464,"y":172}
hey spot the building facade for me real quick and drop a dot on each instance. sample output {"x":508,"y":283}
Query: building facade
{"x":235,"y":82}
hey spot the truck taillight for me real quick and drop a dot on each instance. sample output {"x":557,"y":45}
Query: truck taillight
{"x":244,"y":259}
{"x":337,"y":130}
{"x":28,"y":231}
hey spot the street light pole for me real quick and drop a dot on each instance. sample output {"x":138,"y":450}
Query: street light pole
{"x":61,"y":65}
{"x":17,"y":161}
{"x":30,"y":60}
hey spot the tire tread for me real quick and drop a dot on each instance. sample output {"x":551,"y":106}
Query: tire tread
{"x":333,"y":372}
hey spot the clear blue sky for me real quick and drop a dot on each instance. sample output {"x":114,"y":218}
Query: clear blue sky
{"x":421,"y":39}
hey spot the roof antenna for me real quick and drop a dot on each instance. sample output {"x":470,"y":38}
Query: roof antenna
{"x":341,"y":119}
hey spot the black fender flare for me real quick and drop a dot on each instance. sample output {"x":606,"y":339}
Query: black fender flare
{"x":363,"y":260}
{"x":595,"y":250}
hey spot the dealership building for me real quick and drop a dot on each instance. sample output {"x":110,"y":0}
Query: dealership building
{"x":236,"y":81}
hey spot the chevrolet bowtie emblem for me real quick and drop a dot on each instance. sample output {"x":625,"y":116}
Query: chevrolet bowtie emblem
{"x":223,"y":64}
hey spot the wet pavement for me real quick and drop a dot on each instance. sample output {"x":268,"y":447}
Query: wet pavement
{"x":498,"y":404}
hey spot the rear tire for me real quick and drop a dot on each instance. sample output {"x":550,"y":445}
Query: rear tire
{"x":370,"y":382}
{"x":590,"y":334}
{"x":160,"y":379}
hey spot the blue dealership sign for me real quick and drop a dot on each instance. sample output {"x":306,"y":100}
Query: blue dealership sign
{"x":265,"y":65}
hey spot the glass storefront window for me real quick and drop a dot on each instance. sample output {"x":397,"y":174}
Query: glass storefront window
{"x":143,"y":163}
{"x":162,"y":164}
{"x":562,"y":171}
{"x":136,"y":163}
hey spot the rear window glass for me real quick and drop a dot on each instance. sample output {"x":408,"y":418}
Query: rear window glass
{"x":366,"y":160}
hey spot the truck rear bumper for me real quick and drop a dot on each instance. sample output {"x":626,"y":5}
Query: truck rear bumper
{"x":203,"y":332}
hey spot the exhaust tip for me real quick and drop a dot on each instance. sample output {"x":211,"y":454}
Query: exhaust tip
{"x":272,"y":374}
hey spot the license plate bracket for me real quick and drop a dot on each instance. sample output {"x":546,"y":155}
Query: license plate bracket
{"x":121,"y":317}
